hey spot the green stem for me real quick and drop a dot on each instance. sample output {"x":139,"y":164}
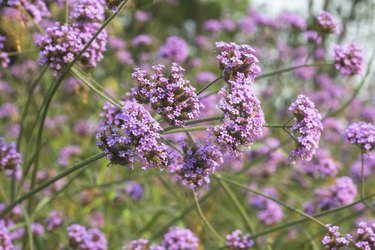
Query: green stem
{"x":236,"y":203}
{"x":208,"y":85}
{"x":296,"y":222}
{"x":185,"y":130}
{"x":293,"y":68}
{"x":276,"y":126}
{"x":92,"y":86}
{"x":51,"y":181}
{"x":275,"y":200}
{"x":362,"y":175}
{"x":192,"y":122}
{"x":206,"y":222}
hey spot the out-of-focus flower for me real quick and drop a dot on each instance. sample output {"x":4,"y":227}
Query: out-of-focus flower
{"x":10,"y":159}
{"x":54,"y":220}
{"x":321,"y":165}
{"x":349,"y":60}
{"x":87,"y":11}
{"x":180,"y":238}
{"x":140,"y":244}
{"x":237,"y":241}
{"x":327,"y":23}
{"x":66,"y":153}
{"x":5,"y":237}
{"x":81,"y":238}
{"x":37,"y":9}
{"x":363,"y":135}
{"x":174,"y":49}
{"x":212,"y":25}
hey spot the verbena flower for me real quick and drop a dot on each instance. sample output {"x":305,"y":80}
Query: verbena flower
{"x":131,"y":133}
{"x":349,"y":60}
{"x":243,"y":116}
{"x":365,"y":239}
{"x":59,"y":46}
{"x":199,"y":162}
{"x":343,"y":192}
{"x":37,"y":9}
{"x":363,"y":135}
{"x":10,"y":159}
{"x":234,"y":58}
{"x":170,"y":95}
{"x":81,"y":238}
{"x":113,"y":4}
{"x":94,"y":53}
{"x":54,"y":220}
{"x":334,"y":239}
{"x":178,"y":238}
{"x":174,"y":49}
{"x":66,"y":153}
{"x":140,"y":244}
{"x":4,"y":58}
{"x":5,"y":237}
{"x":237,"y":241}
{"x":327,"y":23}
{"x":87,"y":11}
{"x":307,"y":129}
{"x":321,"y":165}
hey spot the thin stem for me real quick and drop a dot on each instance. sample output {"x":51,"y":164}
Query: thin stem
{"x":275,"y":200}
{"x":276,"y":126}
{"x":292,"y":223}
{"x":89,"y":84}
{"x":293,"y":68}
{"x":208,"y":85}
{"x":362,"y":174}
{"x":192,"y":122}
{"x":206,"y":222}
{"x":236,"y":203}
{"x":184,"y":130}
{"x":51,"y":181}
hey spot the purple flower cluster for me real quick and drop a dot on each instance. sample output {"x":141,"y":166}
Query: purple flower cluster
{"x":54,"y":220}
{"x":343,"y":192}
{"x":321,"y":165}
{"x":269,"y":212}
{"x":81,"y":238}
{"x":140,"y":244}
{"x":349,"y":60}
{"x":4,"y":59}
{"x":363,"y":135}
{"x":131,"y":132}
{"x":174,"y":49}
{"x":327,"y":23}
{"x":334,"y":239}
{"x":180,"y":238}
{"x":170,"y":96}
{"x":234,"y":59}
{"x":113,"y":4}
{"x":59,"y":46}
{"x":66,"y":153}
{"x":37,"y":9}
{"x":5,"y":237}
{"x":365,"y":236}
{"x":87,"y":11}
{"x":308,"y":128}
{"x":10,"y":159}
{"x":243,"y":116}
{"x":63,"y":42}
{"x":199,"y":162}
{"x":235,"y":241}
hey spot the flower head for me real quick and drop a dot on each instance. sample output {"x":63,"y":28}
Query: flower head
{"x":234,"y":58}
{"x":174,"y":49}
{"x":243,"y":116}
{"x":365,"y":236}
{"x":198,"y":163}
{"x":37,"y":9}
{"x":334,"y":239}
{"x":308,"y":128}
{"x":131,"y":133}
{"x":4,"y":58}
{"x":349,"y":60}
{"x":140,"y":244}
{"x":327,"y":23}
{"x":5,"y":237}
{"x":361,"y":134}
{"x":235,"y":241}
{"x":81,"y":238}
{"x":170,"y":96}
{"x":87,"y":11}
{"x":180,"y":238}
{"x":10,"y":159}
